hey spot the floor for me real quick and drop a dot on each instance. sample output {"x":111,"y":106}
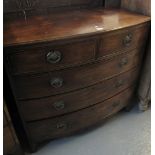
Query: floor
{"x":127,"y":133}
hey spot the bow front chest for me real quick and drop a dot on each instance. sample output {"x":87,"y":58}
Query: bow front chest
{"x":68,"y":71}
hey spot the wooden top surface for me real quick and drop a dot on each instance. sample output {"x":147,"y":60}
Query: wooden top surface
{"x":67,"y":24}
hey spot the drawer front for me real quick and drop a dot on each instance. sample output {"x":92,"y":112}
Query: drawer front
{"x":123,"y":40}
{"x":68,"y":124}
{"x":45,"y":85}
{"x":42,"y":59}
{"x":66,"y":103}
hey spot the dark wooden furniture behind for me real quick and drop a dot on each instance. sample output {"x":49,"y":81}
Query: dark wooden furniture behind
{"x":11,"y":144}
{"x":72,"y":69}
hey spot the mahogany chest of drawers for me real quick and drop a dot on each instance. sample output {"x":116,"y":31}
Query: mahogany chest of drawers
{"x":68,"y":71}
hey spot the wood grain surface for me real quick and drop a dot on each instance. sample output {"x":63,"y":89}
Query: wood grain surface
{"x":36,"y":86}
{"x":71,"y":123}
{"x":66,"y":103}
{"x":101,"y":52}
{"x":67,"y":25}
{"x":34,"y":59}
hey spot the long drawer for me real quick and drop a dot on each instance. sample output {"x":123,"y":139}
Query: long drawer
{"x":68,"y":124}
{"x":49,"y":57}
{"x":44,"y":85}
{"x":66,"y":103}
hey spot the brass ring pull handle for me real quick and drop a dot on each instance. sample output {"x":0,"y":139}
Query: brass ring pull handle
{"x":123,"y":62}
{"x":127,"y":40}
{"x":59,"y":105}
{"x":61,"y":126}
{"x":119,"y":83}
{"x":53,"y":57}
{"x":56,"y":82}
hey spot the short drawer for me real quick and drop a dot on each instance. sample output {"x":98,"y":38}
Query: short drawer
{"x":71,"y":123}
{"x":49,"y":58}
{"x":66,"y":103}
{"x":44,"y":85}
{"x":123,"y":39}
